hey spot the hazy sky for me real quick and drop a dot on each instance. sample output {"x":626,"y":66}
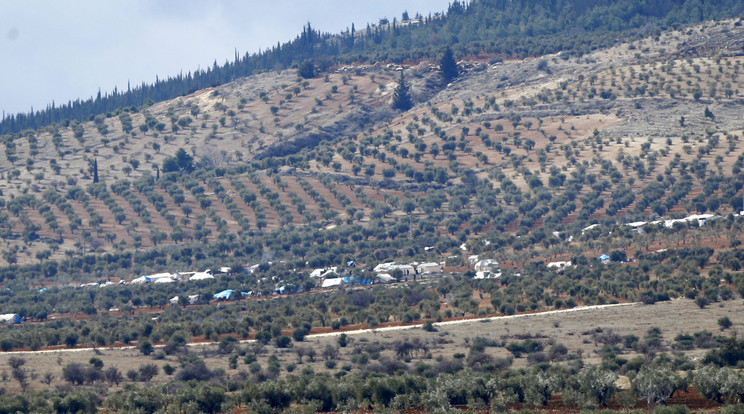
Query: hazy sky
{"x":63,"y":50}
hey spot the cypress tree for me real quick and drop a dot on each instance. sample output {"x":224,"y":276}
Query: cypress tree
{"x":448,"y":66}
{"x":402,"y":95}
{"x":95,"y":170}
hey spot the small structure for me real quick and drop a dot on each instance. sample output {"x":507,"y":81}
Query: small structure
{"x":472,"y":260}
{"x":202,"y":275}
{"x":158,"y":276}
{"x":487,"y":265}
{"x":141,"y":280}
{"x":604,"y":259}
{"x":430,"y":267}
{"x":224,"y":295}
{"x":333,"y":282}
{"x":164,"y":280}
{"x":385,"y":278}
{"x":317,"y":273}
{"x":406,"y":270}
{"x":383,"y":267}
{"x":356,"y":280}
{"x":487,"y":275}
{"x":10,"y":318}
{"x":559,"y":266}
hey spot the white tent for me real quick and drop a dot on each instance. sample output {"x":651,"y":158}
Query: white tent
{"x":385,"y":278}
{"x":164,"y":280}
{"x":10,"y":318}
{"x":487,"y":275}
{"x":141,"y":279}
{"x":429,"y":268}
{"x":486,"y":265}
{"x":201,"y":276}
{"x":559,"y":266}
{"x":383,"y":267}
{"x":158,"y":276}
{"x":405,"y":269}
{"x":333,"y":282}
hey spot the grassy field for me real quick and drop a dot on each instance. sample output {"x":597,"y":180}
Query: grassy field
{"x":582,"y":331}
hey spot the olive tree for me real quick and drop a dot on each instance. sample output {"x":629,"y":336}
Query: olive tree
{"x":655,"y":384}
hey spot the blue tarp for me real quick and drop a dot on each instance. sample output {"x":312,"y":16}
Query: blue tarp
{"x":604,"y":257}
{"x":355,"y":280}
{"x":224,"y":295}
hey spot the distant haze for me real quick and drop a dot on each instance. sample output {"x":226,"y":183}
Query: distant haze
{"x":64,"y":50}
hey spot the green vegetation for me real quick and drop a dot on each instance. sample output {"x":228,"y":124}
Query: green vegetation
{"x":514,"y":28}
{"x":504,"y":170}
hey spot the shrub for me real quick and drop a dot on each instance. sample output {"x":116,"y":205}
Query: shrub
{"x":77,"y":402}
{"x":724,"y":322}
{"x":195,"y":371}
{"x":299,"y":334}
{"x":343,"y":340}
{"x":168,"y":369}
{"x":148,"y":372}
{"x":75,"y":374}
{"x":429,"y":327}
{"x":282,"y":341}
{"x":227,"y":344}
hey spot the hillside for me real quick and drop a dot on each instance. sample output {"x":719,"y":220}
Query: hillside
{"x":548,"y":144}
{"x":621,"y":164}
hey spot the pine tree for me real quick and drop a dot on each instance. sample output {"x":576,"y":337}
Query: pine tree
{"x":95,"y":170}
{"x":448,"y":66}
{"x":402,"y":95}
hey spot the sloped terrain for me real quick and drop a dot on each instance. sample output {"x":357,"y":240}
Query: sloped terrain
{"x":553,"y":143}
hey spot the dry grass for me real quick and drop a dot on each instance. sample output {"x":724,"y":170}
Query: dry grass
{"x":573,"y":329}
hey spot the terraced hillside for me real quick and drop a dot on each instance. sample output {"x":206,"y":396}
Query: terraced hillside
{"x":648,"y":129}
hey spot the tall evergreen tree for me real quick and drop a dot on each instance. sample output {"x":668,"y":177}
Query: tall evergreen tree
{"x":402,"y":95}
{"x":448,"y":66}
{"x":95,"y":170}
